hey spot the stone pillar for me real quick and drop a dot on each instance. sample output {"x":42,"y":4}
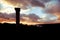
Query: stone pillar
{"x":17,"y":16}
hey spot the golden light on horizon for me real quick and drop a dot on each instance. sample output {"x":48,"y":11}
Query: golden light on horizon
{"x":30,"y":23}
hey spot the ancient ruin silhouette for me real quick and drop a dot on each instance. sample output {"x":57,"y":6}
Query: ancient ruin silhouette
{"x":17,"y":16}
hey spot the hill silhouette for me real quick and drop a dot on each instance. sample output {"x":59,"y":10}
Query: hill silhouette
{"x":7,"y":27}
{"x":30,"y":28}
{"x":41,"y":27}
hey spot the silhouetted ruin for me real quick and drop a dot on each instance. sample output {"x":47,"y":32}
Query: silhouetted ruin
{"x":17,"y":16}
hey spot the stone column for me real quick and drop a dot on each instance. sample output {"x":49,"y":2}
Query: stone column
{"x":17,"y":16}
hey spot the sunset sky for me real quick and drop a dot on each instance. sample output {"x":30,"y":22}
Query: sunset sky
{"x":32,"y":11}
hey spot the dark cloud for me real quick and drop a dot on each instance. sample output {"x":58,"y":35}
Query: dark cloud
{"x":7,"y":16}
{"x":30,"y":17}
{"x":34,"y":17}
{"x":59,"y":0}
{"x":45,"y":1}
{"x":37,"y":3}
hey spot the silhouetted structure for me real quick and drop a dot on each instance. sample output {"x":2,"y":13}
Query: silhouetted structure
{"x":17,"y":16}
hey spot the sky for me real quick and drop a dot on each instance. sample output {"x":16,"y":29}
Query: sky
{"x":32,"y":11}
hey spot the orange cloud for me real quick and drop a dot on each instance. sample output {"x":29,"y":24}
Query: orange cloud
{"x":2,"y":20}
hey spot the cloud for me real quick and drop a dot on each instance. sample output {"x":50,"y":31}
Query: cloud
{"x":10,"y":18}
{"x":30,"y":17}
{"x":37,"y":3}
{"x":53,"y":7}
{"x":45,"y":1}
{"x":33,"y":18}
{"x":23,"y":17}
{"x":25,"y":3}
{"x":7,"y":18}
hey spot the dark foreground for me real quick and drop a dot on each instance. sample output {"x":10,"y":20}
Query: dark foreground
{"x":25,"y":28}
